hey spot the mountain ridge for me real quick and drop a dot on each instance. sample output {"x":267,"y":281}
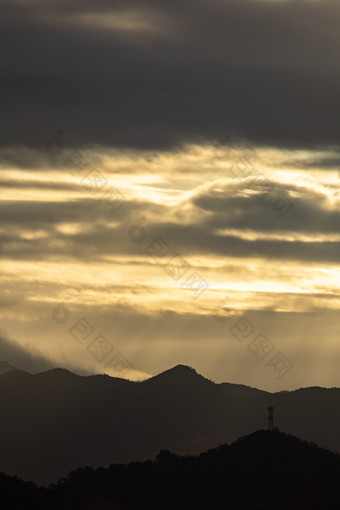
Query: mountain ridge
{"x":184,"y":371}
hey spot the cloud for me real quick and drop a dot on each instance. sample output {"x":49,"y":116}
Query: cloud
{"x":267,"y":71}
{"x":26,"y":358}
{"x":248,"y":206}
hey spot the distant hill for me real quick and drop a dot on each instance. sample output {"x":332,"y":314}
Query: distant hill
{"x":261,"y":471}
{"x":56,"y":421}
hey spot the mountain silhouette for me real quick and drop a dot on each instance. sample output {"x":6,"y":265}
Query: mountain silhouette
{"x":262,"y":471}
{"x":55,"y":421}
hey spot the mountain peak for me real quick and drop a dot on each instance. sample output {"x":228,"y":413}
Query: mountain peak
{"x":181,"y":369}
{"x":57,"y":372}
{"x":182,"y":374}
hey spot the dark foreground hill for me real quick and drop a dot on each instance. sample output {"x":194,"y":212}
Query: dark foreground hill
{"x":264,"y":470}
{"x":56,"y":421}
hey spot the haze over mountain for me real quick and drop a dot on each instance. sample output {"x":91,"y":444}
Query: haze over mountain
{"x":6,"y":367}
{"x":56,"y":421}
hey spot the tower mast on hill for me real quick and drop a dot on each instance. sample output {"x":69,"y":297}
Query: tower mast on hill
{"x":270,"y":418}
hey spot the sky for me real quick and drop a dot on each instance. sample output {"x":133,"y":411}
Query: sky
{"x":169,"y":176}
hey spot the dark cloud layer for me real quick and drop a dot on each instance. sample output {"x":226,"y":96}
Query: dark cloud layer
{"x":170,"y":72}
